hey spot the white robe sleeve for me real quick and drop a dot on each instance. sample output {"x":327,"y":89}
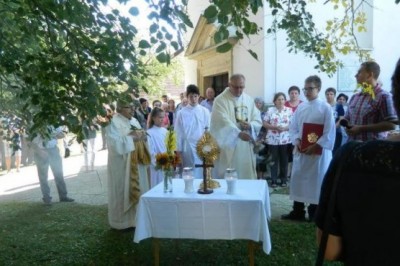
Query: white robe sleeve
{"x":327,"y":140}
{"x":294,"y":128}
{"x":121,"y":144}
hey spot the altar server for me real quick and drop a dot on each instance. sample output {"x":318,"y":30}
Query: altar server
{"x":310,"y":163}
{"x":156,"y":138}
{"x":189,"y":126}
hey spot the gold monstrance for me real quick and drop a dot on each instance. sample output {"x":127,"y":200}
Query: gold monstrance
{"x":208,"y":150}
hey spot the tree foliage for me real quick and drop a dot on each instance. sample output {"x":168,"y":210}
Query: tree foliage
{"x":66,"y":57}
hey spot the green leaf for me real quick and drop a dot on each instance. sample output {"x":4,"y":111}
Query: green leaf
{"x":168,"y":36}
{"x":184,"y":17}
{"x":144,"y":44}
{"x":221,"y":35}
{"x":224,"y":48}
{"x":253,"y":54}
{"x":163,"y":58}
{"x":210,"y":12}
{"x":175,"y":45}
{"x":153,"y":27}
{"x":134,"y":11}
{"x":161,"y":47}
{"x":159,"y":35}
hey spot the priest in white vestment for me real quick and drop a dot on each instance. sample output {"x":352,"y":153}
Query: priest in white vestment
{"x":309,"y":167}
{"x":121,"y":142}
{"x":190,"y":124}
{"x":235,"y":123}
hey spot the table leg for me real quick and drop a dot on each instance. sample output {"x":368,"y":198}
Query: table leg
{"x":251,"y":245}
{"x":156,"y":251}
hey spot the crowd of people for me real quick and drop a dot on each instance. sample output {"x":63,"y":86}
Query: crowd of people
{"x":298,"y":140}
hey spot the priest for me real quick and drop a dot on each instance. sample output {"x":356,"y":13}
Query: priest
{"x":128,"y":160}
{"x":235,"y":123}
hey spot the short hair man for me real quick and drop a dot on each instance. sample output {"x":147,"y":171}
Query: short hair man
{"x":371,"y":113}
{"x":164,"y":98}
{"x":309,"y":166}
{"x":235,"y":123}
{"x":47,"y":155}
{"x":208,"y":102}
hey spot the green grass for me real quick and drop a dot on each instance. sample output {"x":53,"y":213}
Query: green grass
{"x":76,"y":234}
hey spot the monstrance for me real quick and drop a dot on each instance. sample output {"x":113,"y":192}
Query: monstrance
{"x":208,"y":150}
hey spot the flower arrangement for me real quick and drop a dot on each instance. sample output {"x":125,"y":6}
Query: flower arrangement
{"x":367,"y":89}
{"x":168,"y":160}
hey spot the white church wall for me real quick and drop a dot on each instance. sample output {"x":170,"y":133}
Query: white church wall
{"x":277,"y":69}
{"x":247,"y":65}
{"x":386,"y":39}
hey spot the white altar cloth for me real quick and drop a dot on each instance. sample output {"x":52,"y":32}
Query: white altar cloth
{"x":213,"y":216}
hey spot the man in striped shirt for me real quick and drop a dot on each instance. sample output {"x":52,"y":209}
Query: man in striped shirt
{"x":371,"y":113}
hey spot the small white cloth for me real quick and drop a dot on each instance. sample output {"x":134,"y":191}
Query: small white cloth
{"x":213,"y":216}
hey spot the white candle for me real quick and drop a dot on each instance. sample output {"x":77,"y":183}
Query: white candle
{"x":231,"y":185}
{"x":188,"y":183}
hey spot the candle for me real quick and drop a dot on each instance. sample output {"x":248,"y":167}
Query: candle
{"x":188,"y":183}
{"x":231,"y":185}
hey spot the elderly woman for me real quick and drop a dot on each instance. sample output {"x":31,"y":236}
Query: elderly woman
{"x":276,"y":121}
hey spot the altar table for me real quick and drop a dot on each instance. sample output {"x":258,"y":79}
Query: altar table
{"x":218,"y":215}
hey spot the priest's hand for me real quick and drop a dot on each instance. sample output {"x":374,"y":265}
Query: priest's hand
{"x":245,"y":136}
{"x":138,"y":135}
{"x":244,"y":125}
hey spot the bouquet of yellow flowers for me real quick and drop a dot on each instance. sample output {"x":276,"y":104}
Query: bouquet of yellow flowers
{"x":168,"y":160}
{"x":367,"y":89}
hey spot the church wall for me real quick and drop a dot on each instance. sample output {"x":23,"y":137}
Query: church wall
{"x":277,"y":69}
{"x":245,"y":64}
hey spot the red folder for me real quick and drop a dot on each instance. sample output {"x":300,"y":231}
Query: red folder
{"x":311,"y":133}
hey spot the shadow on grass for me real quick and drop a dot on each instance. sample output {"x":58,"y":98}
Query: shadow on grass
{"x":77,"y":234}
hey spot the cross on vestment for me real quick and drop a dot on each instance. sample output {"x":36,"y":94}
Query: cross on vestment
{"x":204,"y":190}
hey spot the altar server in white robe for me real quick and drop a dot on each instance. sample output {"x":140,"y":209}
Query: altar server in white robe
{"x":235,"y":123}
{"x":156,"y":138}
{"x":308,"y":167}
{"x":121,"y":140}
{"x":190,"y":124}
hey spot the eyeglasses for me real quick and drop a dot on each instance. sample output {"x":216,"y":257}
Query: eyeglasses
{"x":309,"y":89}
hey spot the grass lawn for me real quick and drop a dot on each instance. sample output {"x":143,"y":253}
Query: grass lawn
{"x":77,"y":234}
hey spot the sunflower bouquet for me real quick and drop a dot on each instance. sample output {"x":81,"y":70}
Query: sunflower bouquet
{"x":168,"y":160}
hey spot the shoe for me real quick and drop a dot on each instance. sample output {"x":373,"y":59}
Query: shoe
{"x":294,"y":216}
{"x":283,"y":184}
{"x":66,"y":199}
{"x":47,"y":202}
{"x":273,"y":184}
